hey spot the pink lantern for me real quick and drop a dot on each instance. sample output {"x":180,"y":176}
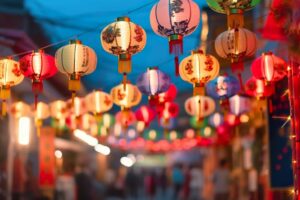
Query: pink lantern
{"x":175,"y":19}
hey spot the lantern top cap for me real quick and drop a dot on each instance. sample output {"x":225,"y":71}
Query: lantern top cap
{"x":197,"y":51}
{"x":235,"y":11}
{"x":124,"y":18}
{"x":175,"y":37}
{"x":269,"y":53}
{"x":153,"y":68}
{"x":75,"y":42}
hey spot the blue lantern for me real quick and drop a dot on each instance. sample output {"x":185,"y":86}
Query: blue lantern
{"x":153,"y":82}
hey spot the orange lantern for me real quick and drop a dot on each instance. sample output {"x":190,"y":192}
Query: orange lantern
{"x":198,"y":69}
{"x":10,"y":75}
{"x":58,"y":110}
{"x":42,"y":112}
{"x":98,"y":102}
{"x":20,"y":109}
{"x":123,"y":39}
{"x":127,"y":96}
{"x":75,"y":60}
{"x":199,"y":106}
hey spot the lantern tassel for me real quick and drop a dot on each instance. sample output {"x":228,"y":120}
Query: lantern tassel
{"x":124,"y":80}
{"x":176,"y":65}
{"x":73,"y":98}
{"x":4,"y":107}
{"x":35,"y":101}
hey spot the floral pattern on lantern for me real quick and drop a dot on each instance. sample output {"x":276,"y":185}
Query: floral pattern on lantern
{"x":269,"y":67}
{"x":98,"y":102}
{"x":199,"y":106}
{"x":222,"y":88}
{"x":10,"y":75}
{"x":145,"y":114}
{"x":257,"y":88}
{"x":175,"y":19}
{"x":239,"y":104}
{"x":75,"y":60}
{"x":38,"y":66}
{"x":123,"y":39}
{"x":127,"y":96}
{"x":153,"y":82}
{"x":198,"y":69}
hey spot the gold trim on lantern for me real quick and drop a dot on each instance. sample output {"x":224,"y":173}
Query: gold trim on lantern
{"x":124,"y":64}
{"x":198,"y":89}
{"x":74,"y":82}
{"x":75,"y":42}
{"x":235,"y":18}
{"x":124,"y":19}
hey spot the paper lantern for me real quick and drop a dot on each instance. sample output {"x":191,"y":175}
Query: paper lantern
{"x":216,"y":120}
{"x":38,"y":66}
{"x":77,"y":106}
{"x":59,"y":111}
{"x":98,"y":102}
{"x":236,"y":44}
{"x":75,"y":60}
{"x":145,"y":114}
{"x":198,"y":69}
{"x":41,"y":112}
{"x":173,"y":135}
{"x":127,"y":96}
{"x":86,"y":121}
{"x":153,"y":82}
{"x":10,"y":75}
{"x":20,"y":109}
{"x":108,"y":120}
{"x":257,"y":88}
{"x":164,"y":97}
{"x":199,"y":106}
{"x":239,"y":104}
{"x":125,"y":118}
{"x":207,"y":132}
{"x":234,"y":10}
{"x":175,"y":19}
{"x":123,"y":39}
{"x":269,"y":67}
{"x":168,"y":110}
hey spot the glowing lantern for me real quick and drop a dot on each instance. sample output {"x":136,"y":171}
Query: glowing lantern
{"x":145,"y":114}
{"x":10,"y":75}
{"x":175,"y":19}
{"x":58,"y":110}
{"x":152,"y":135}
{"x":127,"y":96}
{"x":269,"y":67}
{"x":216,"y":120}
{"x":86,"y":121}
{"x":234,"y":10}
{"x":42,"y":112}
{"x":38,"y":66}
{"x":169,"y":110}
{"x":123,"y":39}
{"x":108,"y":120}
{"x":98,"y":102}
{"x":164,"y":97}
{"x":222,"y":88}
{"x":239,"y":104}
{"x":125,"y":118}
{"x":173,"y":135}
{"x":153,"y":82}
{"x":190,"y":133}
{"x":257,"y":88}
{"x":198,"y":69}
{"x":200,"y":106}
{"x":207,"y":132}
{"x":20,"y":109}
{"x":75,"y":60}
{"x":235,"y":44}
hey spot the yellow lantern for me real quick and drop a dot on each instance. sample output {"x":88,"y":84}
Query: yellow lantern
{"x":42,"y":112}
{"x":127,"y":96}
{"x":200,"y":106}
{"x":198,"y":69}
{"x":123,"y":39}
{"x":10,"y":75}
{"x":20,"y":109}
{"x":75,"y":60}
{"x":58,"y":110}
{"x":86,"y":121}
{"x":98,"y":102}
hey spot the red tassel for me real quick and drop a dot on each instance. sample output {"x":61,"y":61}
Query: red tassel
{"x":241,"y":81}
{"x":237,"y":67}
{"x":35,"y":101}
{"x":176,"y":66}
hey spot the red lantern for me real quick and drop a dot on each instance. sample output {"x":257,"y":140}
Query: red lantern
{"x":167,"y":96}
{"x":125,"y":118}
{"x":169,"y":110}
{"x":38,"y":66}
{"x":257,"y":88}
{"x":145,"y":114}
{"x":269,"y":67}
